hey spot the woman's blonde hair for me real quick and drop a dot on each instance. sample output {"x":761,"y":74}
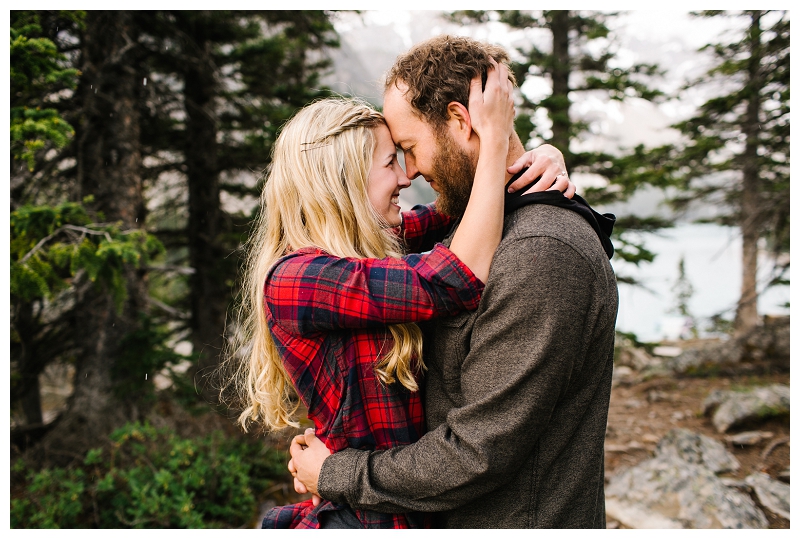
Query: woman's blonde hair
{"x":315,"y":196}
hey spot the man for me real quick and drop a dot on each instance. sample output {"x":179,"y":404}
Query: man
{"x":516,"y":392}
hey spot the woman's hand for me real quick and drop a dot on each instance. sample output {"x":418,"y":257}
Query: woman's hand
{"x":545,"y":161}
{"x":491,"y":109}
{"x":490,"y":118}
{"x":308,"y":453}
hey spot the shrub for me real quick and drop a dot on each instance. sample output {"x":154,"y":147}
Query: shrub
{"x":150,"y":478}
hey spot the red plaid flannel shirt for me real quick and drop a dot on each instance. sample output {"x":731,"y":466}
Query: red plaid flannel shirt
{"x":328,"y":318}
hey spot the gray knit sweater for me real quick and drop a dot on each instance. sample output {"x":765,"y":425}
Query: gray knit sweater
{"x":517,"y":394}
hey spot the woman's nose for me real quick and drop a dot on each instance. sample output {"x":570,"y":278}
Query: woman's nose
{"x":402,"y":180}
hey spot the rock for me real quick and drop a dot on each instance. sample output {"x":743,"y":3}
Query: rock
{"x":660,"y":493}
{"x":667,"y":351}
{"x":687,"y":360}
{"x":732,"y":408}
{"x":714,"y":399}
{"x":772,"y":494}
{"x":768,"y":342}
{"x":783,"y":475}
{"x":736,"y":483}
{"x":621,"y":375}
{"x":678,"y":489}
{"x":637,"y":516}
{"x":694,"y":448}
{"x":633,"y":403}
{"x":655,"y":395}
{"x":650,"y":438}
{"x":752,"y":437}
{"x":636,"y":358}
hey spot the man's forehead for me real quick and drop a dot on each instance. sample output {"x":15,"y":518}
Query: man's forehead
{"x":399,"y":115}
{"x":395,"y":103}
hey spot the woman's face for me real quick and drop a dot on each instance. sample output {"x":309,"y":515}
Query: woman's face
{"x":386,"y":178}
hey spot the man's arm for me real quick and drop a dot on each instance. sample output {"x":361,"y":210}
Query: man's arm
{"x":519,"y":364}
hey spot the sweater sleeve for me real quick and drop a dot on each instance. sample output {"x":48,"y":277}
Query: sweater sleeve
{"x":521,"y":356}
{"x":311,"y":291}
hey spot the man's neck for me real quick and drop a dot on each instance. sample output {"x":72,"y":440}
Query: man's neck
{"x":515,"y":151}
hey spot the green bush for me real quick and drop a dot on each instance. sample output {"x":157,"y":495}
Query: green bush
{"x":149,"y":478}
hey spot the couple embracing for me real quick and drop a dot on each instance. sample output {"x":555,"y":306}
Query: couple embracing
{"x":455,"y":359}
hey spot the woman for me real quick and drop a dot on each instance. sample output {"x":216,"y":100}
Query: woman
{"x":332,"y":301}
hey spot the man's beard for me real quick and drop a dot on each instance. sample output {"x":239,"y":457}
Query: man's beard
{"x":453,"y":170}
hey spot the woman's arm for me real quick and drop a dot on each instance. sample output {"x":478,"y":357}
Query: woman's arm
{"x":491,"y":115}
{"x":311,"y":291}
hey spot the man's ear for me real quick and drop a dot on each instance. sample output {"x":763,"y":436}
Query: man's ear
{"x":459,"y":121}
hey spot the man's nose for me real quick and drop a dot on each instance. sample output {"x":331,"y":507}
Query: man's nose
{"x":411,"y":170}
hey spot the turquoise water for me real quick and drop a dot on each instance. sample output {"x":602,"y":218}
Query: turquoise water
{"x":713,"y":266}
{"x":712,"y":263}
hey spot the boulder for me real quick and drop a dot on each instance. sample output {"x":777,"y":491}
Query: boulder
{"x":766,"y":343}
{"x":734,"y":408}
{"x":636,"y":358}
{"x":772,"y":494}
{"x":622,"y":374}
{"x":751,"y":437}
{"x":694,"y":448}
{"x":678,"y":489}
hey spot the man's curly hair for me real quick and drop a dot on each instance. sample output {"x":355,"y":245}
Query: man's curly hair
{"x":438,"y":71}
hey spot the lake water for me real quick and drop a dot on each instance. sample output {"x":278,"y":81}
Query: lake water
{"x":712,"y":264}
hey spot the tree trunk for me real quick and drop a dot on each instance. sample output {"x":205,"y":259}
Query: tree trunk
{"x":747,"y":310}
{"x":559,"y":101}
{"x":109,"y":168}
{"x":25,"y":389}
{"x":209,"y":296}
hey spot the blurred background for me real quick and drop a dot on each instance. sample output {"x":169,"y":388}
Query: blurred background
{"x":139,"y":142}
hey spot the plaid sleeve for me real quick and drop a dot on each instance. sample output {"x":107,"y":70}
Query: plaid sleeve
{"x":312,"y":291}
{"x":423,"y":227}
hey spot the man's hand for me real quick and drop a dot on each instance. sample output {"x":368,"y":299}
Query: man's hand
{"x":545,"y":161}
{"x":308,"y":454}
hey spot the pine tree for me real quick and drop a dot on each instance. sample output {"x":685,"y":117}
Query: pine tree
{"x":736,"y":150}
{"x":581,"y":61}
{"x":191,"y":100}
{"x":109,"y":170}
{"x":683,"y":293}
{"x":40,"y":72}
{"x":242,"y":75}
{"x":60,"y":253}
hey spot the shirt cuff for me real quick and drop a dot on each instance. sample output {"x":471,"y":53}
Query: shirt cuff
{"x":337,"y":476}
{"x":443,"y":265}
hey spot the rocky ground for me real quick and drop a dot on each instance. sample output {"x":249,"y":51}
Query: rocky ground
{"x":643,"y":411}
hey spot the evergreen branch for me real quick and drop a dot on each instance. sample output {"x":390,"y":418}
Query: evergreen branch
{"x":82,"y":229}
{"x":39,"y":245}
